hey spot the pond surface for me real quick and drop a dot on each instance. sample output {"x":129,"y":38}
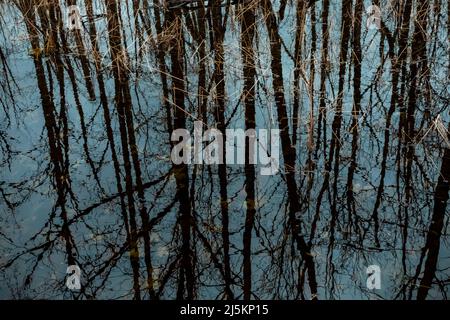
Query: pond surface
{"x":360,"y":111}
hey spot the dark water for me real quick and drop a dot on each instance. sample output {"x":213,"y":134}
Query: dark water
{"x":87,"y":179}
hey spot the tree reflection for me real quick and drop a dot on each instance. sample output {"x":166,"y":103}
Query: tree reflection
{"x":85,"y":138}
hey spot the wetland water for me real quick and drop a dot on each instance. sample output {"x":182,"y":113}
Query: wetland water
{"x":87,"y":179}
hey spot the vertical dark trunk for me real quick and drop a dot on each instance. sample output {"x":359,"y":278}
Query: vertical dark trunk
{"x":219,"y":34}
{"x":433,"y":241}
{"x":248,"y":57}
{"x":396,"y":61}
{"x":186,"y":281}
{"x":402,"y":57}
{"x":127,"y":106}
{"x":116,"y":50}
{"x":161,"y":63}
{"x":107,"y":116}
{"x":83,"y":58}
{"x":56,"y":55}
{"x":418,"y":58}
{"x":56,"y":155}
{"x":324,"y":70}
{"x":335,"y":144}
{"x":299,"y":36}
{"x":354,"y":128}
{"x":202,"y":92}
{"x":286,"y":145}
{"x":312,"y":80}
